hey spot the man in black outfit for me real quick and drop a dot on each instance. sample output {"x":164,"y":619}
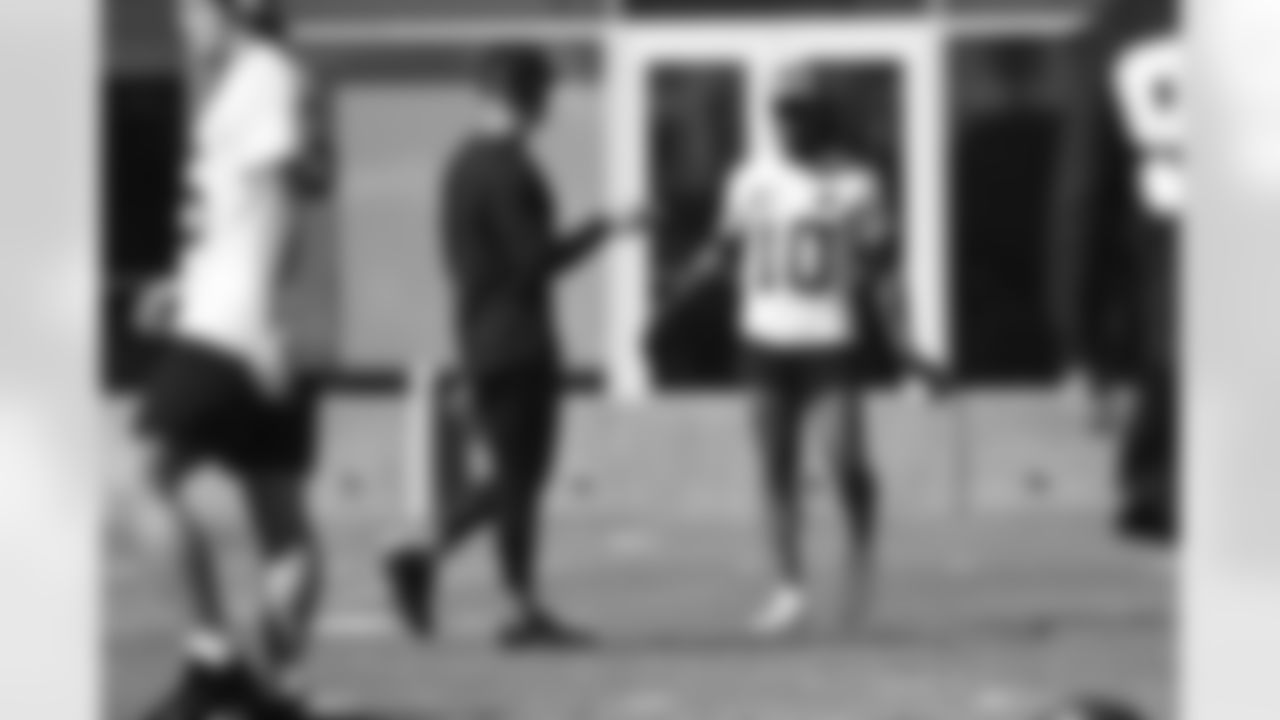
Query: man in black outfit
{"x":504,"y":253}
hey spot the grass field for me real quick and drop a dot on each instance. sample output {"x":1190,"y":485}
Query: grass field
{"x":977,"y":612}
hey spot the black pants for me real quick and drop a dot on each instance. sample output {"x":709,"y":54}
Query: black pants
{"x":1149,"y":468}
{"x":515,"y":415}
{"x":1150,"y":490}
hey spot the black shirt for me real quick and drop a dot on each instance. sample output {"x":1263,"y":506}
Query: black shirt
{"x":499,"y":232}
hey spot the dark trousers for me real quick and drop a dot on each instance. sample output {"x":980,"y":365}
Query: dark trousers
{"x":515,"y":416}
{"x":1150,"y":489}
{"x":1149,"y":468}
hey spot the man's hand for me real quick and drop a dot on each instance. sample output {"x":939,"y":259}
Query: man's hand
{"x":588,"y":236}
{"x":155,"y":307}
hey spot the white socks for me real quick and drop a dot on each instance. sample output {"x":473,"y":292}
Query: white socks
{"x":209,"y":648}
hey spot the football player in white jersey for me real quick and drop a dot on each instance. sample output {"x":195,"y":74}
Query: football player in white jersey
{"x":227,"y":390}
{"x":809,"y":228}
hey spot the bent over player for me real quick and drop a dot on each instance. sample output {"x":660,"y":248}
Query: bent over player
{"x":228,"y":390}
{"x":1119,"y":208}
{"x":810,"y":227}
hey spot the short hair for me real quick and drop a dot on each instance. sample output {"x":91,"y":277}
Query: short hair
{"x":261,"y":17}
{"x":516,"y":72}
{"x":1019,"y":64}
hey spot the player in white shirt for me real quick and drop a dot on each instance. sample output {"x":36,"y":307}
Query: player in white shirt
{"x":227,"y":390}
{"x":809,"y":227}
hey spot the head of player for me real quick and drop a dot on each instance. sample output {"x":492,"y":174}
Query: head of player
{"x":1019,"y":69}
{"x":212,"y":29}
{"x":808,"y":125}
{"x":516,"y":84}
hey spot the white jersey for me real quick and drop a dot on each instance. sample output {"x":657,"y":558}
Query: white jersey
{"x":248,"y":136}
{"x":802,"y":231}
{"x":1146,"y":80}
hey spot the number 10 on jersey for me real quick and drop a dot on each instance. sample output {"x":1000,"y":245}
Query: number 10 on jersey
{"x":803,"y":259}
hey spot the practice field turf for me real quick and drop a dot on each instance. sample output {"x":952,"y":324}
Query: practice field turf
{"x":977,"y":615}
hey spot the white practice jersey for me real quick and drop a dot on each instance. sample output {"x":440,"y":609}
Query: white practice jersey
{"x":249,"y":135}
{"x":802,"y":231}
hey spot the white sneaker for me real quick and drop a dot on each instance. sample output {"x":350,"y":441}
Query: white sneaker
{"x":783,"y":613}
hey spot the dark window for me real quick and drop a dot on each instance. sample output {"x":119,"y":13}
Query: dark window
{"x":143,"y":140}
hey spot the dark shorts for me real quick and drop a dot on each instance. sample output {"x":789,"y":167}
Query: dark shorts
{"x":788,"y":385}
{"x":803,"y":370}
{"x":203,"y":405}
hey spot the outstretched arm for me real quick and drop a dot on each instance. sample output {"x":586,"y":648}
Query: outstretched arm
{"x":558,"y":252}
{"x":582,"y":242}
{"x":718,"y":252}
{"x":887,"y":287}
{"x":709,"y":263}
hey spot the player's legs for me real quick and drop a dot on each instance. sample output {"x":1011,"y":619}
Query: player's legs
{"x":778,"y":402}
{"x":467,"y":500}
{"x":1148,"y":463}
{"x":272,"y":458}
{"x":214,"y":675}
{"x":181,"y":533}
{"x":468,"y":492}
{"x":187,"y":412}
{"x":290,"y":573}
{"x":274,"y":465}
{"x":847,"y":450}
{"x":1149,"y":495}
{"x":515,"y":417}
{"x":521,"y":418}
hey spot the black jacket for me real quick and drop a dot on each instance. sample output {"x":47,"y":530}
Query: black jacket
{"x":500,"y":242}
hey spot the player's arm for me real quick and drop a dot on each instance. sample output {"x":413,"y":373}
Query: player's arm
{"x":881,"y":259}
{"x":711,"y":262}
{"x":547,"y":251}
{"x":582,"y":241}
{"x":278,"y":154}
{"x":273,"y":151}
{"x":718,"y":252}
{"x":878,"y":260}
{"x":314,"y":260}
{"x":156,"y":301}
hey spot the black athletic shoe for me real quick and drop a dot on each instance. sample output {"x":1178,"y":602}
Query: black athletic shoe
{"x":1149,"y":526}
{"x":1149,"y":520}
{"x":410,"y":574}
{"x":203,"y":691}
{"x":1094,"y":708}
{"x":542,"y":631}
{"x":270,"y":704}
